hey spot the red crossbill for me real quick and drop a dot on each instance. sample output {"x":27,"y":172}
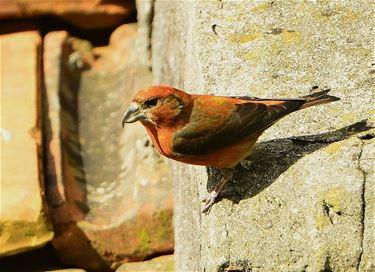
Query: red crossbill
{"x":216,"y":131}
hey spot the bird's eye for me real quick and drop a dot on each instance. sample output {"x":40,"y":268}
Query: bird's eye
{"x":152,"y":102}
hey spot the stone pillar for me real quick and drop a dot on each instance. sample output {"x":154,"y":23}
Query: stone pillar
{"x":299,"y":203}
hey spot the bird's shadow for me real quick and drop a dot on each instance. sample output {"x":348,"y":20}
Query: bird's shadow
{"x":272,"y":158}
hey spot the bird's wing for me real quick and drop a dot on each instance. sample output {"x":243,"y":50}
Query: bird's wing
{"x":218,"y":121}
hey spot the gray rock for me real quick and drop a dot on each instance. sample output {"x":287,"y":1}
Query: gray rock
{"x":299,"y":203}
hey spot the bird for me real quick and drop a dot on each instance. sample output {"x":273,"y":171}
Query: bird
{"x":209,"y":130}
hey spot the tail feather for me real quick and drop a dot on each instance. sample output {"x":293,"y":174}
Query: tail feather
{"x":317,"y":98}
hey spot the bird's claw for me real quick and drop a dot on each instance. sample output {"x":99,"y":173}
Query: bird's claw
{"x":205,"y":199}
{"x":209,"y":200}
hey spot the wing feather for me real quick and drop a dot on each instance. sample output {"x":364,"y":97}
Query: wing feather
{"x":218,"y":122}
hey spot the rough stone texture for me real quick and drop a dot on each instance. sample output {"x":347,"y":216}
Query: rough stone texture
{"x":116,"y":201}
{"x":86,"y":14}
{"x":24,"y":223}
{"x":366,"y":165}
{"x":162,"y":264}
{"x":298,"y":204}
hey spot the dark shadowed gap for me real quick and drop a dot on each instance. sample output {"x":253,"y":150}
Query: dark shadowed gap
{"x":36,"y":260}
{"x":46,"y":24}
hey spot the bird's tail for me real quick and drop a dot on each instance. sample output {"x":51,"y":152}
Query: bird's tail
{"x":318,"y":98}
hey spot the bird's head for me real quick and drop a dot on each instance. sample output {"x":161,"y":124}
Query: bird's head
{"x":158,"y":106}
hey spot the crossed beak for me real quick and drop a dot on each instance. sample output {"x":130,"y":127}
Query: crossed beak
{"x":133,"y":114}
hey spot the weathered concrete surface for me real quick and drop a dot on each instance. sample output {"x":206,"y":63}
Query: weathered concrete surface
{"x":366,"y":165}
{"x":113,"y":202}
{"x":301,"y":205}
{"x":24,"y":222}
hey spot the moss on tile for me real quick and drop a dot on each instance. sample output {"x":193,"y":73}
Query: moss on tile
{"x":17,"y":236}
{"x":144,"y":242}
{"x":164,"y":225}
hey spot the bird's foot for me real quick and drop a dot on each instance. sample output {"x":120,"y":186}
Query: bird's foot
{"x":227,"y":174}
{"x":209,"y":200}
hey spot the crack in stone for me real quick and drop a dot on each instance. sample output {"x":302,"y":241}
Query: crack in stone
{"x":227,"y":233}
{"x":327,"y":211}
{"x":363,"y":209}
{"x":200,"y":225}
